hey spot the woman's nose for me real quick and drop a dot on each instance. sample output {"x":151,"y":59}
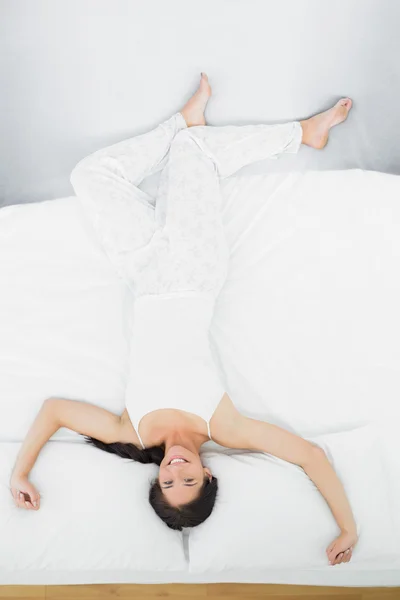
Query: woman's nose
{"x":176,"y":468}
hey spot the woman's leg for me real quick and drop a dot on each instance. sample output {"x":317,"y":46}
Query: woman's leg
{"x":106,"y":183}
{"x":190,"y":192}
{"x":191,"y":252}
{"x":232,"y":147}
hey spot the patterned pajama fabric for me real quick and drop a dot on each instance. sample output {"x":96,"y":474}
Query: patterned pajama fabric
{"x":178,"y":245}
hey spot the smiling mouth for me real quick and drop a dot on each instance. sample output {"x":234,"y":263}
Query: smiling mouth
{"x":178,"y":462}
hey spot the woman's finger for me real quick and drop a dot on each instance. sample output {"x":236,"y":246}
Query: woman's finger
{"x":21,"y":500}
{"x":330,"y":548}
{"x":331,"y":555}
{"x":337,"y":559}
{"x":348,"y":555}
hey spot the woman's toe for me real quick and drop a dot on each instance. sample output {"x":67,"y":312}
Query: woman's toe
{"x":347,"y":102}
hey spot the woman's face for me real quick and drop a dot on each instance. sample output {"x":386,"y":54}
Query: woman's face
{"x":181,"y":480}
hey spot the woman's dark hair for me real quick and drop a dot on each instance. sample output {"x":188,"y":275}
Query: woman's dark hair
{"x":176,"y":517}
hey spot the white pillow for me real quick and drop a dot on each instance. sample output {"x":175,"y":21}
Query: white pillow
{"x":269,"y":514}
{"x":94,"y":516}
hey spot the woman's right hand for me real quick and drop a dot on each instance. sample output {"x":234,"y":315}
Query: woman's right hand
{"x":24,"y":493}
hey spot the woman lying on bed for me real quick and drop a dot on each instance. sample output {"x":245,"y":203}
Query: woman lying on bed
{"x":174,"y":257}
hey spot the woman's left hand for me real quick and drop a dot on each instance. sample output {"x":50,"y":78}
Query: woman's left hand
{"x":340,"y":550}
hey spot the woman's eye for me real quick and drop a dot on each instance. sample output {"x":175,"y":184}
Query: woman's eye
{"x":167,"y":482}
{"x":189,"y":480}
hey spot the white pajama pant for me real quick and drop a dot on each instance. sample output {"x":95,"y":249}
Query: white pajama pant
{"x":178,"y":245}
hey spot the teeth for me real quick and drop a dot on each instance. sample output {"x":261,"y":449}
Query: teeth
{"x":177,"y":460}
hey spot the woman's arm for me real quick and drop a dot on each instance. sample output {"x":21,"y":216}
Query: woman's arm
{"x":312,"y":459}
{"x":81,"y":417}
{"x":239,"y":431}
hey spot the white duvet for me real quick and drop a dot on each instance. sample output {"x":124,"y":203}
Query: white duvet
{"x":306,"y":335}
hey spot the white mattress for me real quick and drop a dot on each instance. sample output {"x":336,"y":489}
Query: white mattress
{"x":306,"y":336}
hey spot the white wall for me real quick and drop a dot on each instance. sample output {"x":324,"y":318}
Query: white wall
{"x":76,"y":75}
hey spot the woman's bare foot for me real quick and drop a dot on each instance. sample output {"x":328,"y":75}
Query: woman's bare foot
{"x":316,"y":129}
{"x":193,"y":111}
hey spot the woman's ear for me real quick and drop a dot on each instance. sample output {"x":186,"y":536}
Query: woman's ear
{"x":207,"y":472}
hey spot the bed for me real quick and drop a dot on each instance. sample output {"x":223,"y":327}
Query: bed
{"x":305,"y":334}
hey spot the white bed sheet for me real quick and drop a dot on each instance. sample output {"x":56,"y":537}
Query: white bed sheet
{"x":306,"y":331}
